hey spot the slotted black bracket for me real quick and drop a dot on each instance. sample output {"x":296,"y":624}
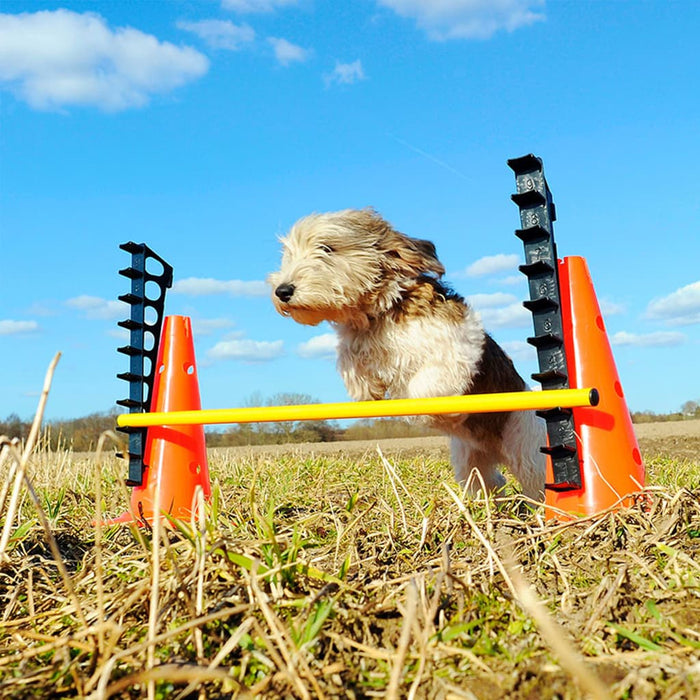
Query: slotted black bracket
{"x":142,"y":329}
{"x":537,"y":216}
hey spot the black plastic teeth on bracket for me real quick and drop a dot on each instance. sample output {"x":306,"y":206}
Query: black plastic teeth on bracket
{"x":140,"y":328}
{"x":537,"y":215}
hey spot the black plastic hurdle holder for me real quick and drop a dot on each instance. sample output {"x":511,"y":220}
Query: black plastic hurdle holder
{"x":142,"y":356}
{"x":537,"y":216}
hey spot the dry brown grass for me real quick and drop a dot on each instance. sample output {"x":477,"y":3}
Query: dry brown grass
{"x":344,"y":577}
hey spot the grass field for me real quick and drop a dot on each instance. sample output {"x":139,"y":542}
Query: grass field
{"x":344,"y":576}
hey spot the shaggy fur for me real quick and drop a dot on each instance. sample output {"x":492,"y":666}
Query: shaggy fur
{"x":404,"y":334}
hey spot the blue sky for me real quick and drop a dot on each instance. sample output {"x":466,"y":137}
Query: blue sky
{"x":205,"y":129}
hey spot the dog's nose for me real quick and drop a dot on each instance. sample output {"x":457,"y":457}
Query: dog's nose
{"x":285,"y":292}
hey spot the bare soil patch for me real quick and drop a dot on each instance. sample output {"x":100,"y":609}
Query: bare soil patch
{"x":671,"y":439}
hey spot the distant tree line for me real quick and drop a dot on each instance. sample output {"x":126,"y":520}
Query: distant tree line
{"x":82,"y":434}
{"x":286,"y":432}
{"x":689,"y":410}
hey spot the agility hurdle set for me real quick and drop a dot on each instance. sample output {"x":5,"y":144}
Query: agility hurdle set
{"x":593,"y":460}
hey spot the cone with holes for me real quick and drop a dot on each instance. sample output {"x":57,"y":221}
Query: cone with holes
{"x":611,"y":464}
{"x":175,"y":457}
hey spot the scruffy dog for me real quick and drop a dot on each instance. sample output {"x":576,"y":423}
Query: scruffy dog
{"x":404,"y":334}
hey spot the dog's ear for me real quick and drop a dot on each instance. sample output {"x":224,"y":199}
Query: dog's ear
{"x":401,"y":254}
{"x":413,"y":256}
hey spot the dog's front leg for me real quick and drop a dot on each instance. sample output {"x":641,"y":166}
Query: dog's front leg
{"x":360,"y":386}
{"x":467,"y":458}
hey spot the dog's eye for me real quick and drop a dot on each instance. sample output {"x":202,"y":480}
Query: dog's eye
{"x":325,"y":248}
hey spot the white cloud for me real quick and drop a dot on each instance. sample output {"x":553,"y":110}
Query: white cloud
{"x":286,"y":52}
{"x":53,"y":59}
{"x":512,"y":316}
{"x":467,"y":19}
{"x":9,"y":327}
{"x":246,"y":350}
{"x":220,"y":34}
{"x":98,"y":309}
{"x":251,"y":6}
{"x":492,"y":264}
{"x":658,"y":339}
{"x":680,"y":308}
{"x":345,"y":73}
{"x":489,"y":301}
{"x":320,"y":346}
{"x":200,"y":286}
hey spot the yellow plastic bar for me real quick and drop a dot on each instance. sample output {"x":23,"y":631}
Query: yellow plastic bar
{"x":473,"y":403}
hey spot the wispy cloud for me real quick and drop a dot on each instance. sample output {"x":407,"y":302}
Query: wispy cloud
{"x":512,"y":280}
{"x":490,"y":301}
{"x":119,"y":333}
{"x":98,"y":309}
{"x":430,"y":156}
{"x":9,"y":327}
{"x":286,"y":52}
{"x":680,"y":308}
{"x":201,"y":286}
{"x":658,"y":339}
{"x":200,"y":327}
{"x":511,"y":316}
{"x":247,"y":350}
{"x":467,"y":19}
{"x":611,"y":308}
{"x":320,"y":346}
{"x":220,"y":34}
{"x":492,"y":265}
{"x":207,"y":326}
{"x":253,"y":6}
{"x":44,"y":308}
{"x":345,"y":73}
{"x":55,"y":59}
{"x":519,"y":350}
{"x":500,"y":310}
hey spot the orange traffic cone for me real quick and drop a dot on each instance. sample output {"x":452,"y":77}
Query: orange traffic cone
{"x":175,"y":457}
{"x":611,"y":464}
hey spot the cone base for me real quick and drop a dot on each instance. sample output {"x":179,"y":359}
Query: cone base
{"x":119,"y":520}
{"x":146,"y":520}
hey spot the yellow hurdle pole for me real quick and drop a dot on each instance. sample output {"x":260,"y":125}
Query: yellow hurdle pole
{"x":439,"y":405}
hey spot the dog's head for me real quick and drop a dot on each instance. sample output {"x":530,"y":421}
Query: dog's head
{"x":346,"y":266}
